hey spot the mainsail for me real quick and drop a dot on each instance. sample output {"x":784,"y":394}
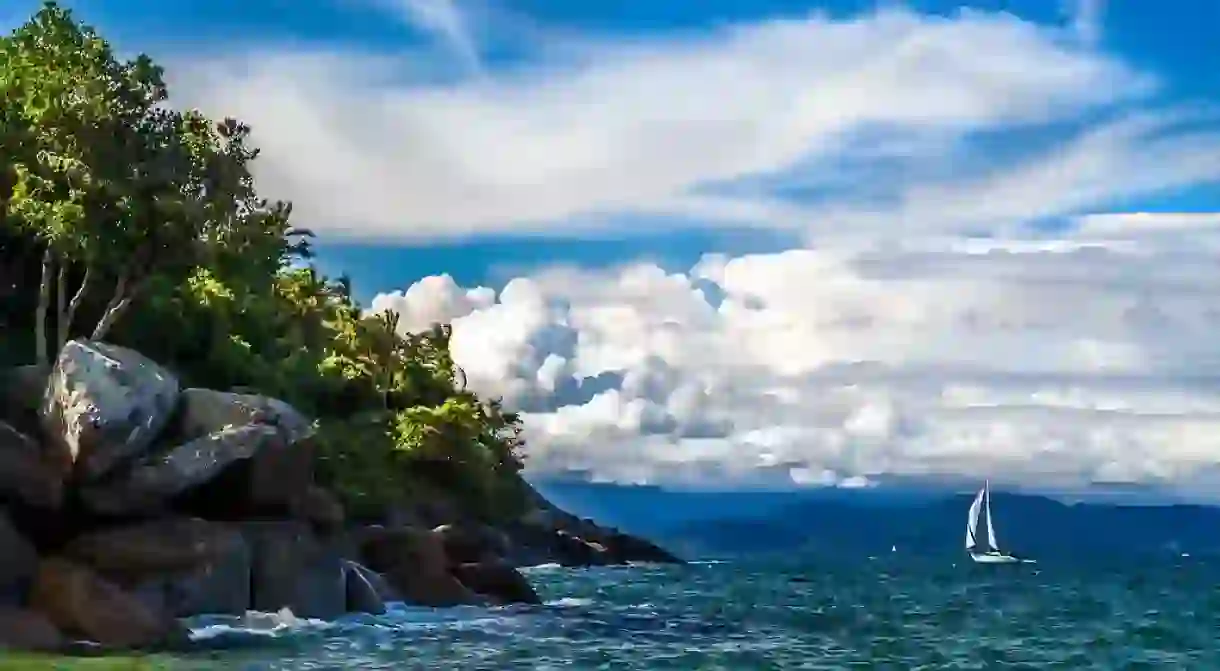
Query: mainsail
{"x":981,"y":506}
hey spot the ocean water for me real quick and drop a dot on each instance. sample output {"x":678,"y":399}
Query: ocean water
{"x":885,"y":612}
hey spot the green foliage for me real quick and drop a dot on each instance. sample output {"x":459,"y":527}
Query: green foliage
{"x":105,"y":182}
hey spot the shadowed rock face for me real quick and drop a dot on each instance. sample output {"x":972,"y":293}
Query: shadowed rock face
{"x":25,"y":629}
{"x":18,"y":562}
{"x":128,"y":504}
{"x":26,"y":475}
{"x":156,"y":480}
{"x":163,"y":545}
{"x":415,"y":564}
{"x":293,"y":569}
{"x":79,"y":601}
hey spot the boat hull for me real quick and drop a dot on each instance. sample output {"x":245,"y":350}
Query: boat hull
{"x":994,"y":558}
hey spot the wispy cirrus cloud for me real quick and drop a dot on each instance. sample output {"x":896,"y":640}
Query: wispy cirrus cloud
{"x":601,"y":132}
{"x":446,"y":20}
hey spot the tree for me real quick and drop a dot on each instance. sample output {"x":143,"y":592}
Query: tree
{"x":114,"y":183}
{"x":122,"y":201}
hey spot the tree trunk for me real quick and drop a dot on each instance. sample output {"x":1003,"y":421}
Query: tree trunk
{"x":114,"y":309}
{"x":79,"y":296}
{"x":40,"y":314}
{"x":61,"y":305}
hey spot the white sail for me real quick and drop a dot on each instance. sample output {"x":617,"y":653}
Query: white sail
{"x":972,"y":520}
{"x":987,"y":552}
{"x":991,"y":540}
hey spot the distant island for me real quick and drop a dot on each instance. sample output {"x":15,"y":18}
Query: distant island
{"x":194,"y":420}
{"x":832,"y":522}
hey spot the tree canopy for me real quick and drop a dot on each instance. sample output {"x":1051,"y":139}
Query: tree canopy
{"x":127,"y":219}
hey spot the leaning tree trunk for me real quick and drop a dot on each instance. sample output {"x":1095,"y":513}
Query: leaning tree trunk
{"x":69,"y":315}
{"x":61,"y":305}
{"x":40,"y":313}
{"x":114,"y":308}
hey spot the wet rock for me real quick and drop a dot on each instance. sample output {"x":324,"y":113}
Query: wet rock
{"x":104,"y":405}
{"x":183,"y":566}
{"x":575,"y":541}
{"x":78,"y":601}
{"x":367,"y":590}
{"x":157,"y":479}
{"x":415,"y":564}
{"x":26,"y":476}
{"x":500,"y":581}
{"x":472,"y":543}
{"x":292,"y":569}
{"x":574,"y":550}
{"x":219,"y":587}
{"x":18,"y":562}
{"x":624,"y":548}
{"x":23,"y":629}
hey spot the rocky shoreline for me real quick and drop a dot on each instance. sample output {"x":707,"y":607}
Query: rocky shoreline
{"x":128,"y":503}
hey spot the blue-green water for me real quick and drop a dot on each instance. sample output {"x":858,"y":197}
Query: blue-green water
{"x":883,"y":613}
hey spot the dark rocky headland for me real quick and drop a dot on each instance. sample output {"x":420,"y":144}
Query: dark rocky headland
{"x":193,"y":419}
{"x":131,"y":502}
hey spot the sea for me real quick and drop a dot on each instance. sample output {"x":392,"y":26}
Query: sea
{"x":795,"y":611}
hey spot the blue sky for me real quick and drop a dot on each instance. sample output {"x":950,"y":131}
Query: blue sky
{"x":813,"y":243}
{"x":1157,"y":39}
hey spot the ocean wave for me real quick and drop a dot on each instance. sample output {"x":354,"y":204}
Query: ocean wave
{"x":570,"y":602}
{"x":253,"y":624}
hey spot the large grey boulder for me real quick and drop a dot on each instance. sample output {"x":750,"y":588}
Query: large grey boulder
{"x":104,"y":405}
{"x":206,"y":411}
{"x":273,"y":479}
{"x":242,"y":455}
{"x":157,"y":479}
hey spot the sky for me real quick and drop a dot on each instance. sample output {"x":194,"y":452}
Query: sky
{"x":764,"y":242}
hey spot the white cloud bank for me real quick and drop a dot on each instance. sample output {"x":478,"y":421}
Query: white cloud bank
{"x":894,"y":345}
{"x":1083,"y":359}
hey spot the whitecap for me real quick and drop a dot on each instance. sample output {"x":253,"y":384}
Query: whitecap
{"x":253,"y":623}
{"x":570,"y":602}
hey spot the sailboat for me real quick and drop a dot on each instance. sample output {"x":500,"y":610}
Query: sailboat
{"x":988,"y":551}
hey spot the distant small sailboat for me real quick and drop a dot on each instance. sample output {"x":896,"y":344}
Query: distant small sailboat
{"x":989,"y":551}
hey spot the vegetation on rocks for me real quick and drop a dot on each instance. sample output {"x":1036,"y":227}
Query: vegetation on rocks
{"x":192,"y":419}
{"x":127,"y":220}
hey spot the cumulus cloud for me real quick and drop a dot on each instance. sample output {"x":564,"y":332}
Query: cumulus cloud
{"x":1084,"y":358}
{"x":898,"y":344}
{"x":806,"y":123}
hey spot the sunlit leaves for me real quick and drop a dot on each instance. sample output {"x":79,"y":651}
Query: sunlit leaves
{"x":96,"y":165}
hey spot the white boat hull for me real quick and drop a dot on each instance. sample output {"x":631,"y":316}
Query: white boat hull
{"x":994,"y":558}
